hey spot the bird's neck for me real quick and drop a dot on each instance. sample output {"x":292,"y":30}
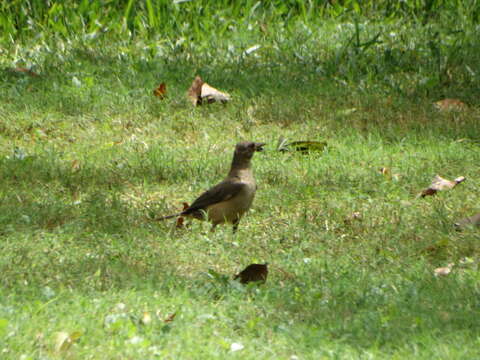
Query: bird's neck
{"x":240,"y":165}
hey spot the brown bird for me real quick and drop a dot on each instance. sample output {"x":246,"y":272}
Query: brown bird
{"x":229,"y":200}
{"x":469,"y":221}
{"x":253,"y":272}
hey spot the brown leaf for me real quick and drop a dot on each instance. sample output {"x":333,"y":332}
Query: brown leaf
{"x":450,"y":105}
{"x":440,"y":184}
{"x":75,"y":165}
{"x":170,"y":318}
{"x":200,"y":92}
{"x":355,"y":216}
{"x":195,"y":91}
{"x":22,"y":70}
{"x":253,"y":272}
{"x":160,"y":91}
{"x":180,"y":222}
{"x":469,"y":221}
{"x":443,"y":271}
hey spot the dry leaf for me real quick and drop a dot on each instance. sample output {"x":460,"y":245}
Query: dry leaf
{"x":443,"y":271}
{"x":440,"y":184}
{"x":200,"y":92}
{"x":160,"y":91}
{"x":75,"y":165}
{"x":355,"y":216}
{"x":253,"y":272}
{"x":180,"y":220}
{"x":195,"y":91}
{"x":469,"y":221}
{"x":170,"y":318}
{"x":385,"y":171}
{"x":22,"y":70}
{"x":146,"y":318}
{"x":64,"y":340}
{"x":450,"y":105}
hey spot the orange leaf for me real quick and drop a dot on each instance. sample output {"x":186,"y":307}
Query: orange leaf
{"x":160,"y":91}
{"x":450,"y":105}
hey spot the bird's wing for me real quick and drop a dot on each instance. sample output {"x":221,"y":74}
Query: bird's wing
{"x":224,"y":191}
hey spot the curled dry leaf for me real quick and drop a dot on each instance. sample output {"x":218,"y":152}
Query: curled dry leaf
{"x":440,"y":184}
{"x":170,"y":318}
{"x":200,"y":92}
{"x":63,"y":340}
{"x":160,"y":91}
{"x":25,"y":71}
{"x":387,"y":173}
{"x":75,"y":165}
{"x":180,"y":220}
{"x":450,"y":105}
{"x":253,"y":272}
{"x":355,"y":216}
{"x":146,"y":318}
{"x":443,"y":271}
{"x":468,"y":221}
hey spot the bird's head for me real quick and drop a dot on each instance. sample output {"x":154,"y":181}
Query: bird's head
{"x":246,"y":149}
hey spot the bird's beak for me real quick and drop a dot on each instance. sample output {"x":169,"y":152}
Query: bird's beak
{"x":259,"y":146}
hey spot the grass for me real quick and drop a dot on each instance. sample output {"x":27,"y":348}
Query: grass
{"x":88,"y":155}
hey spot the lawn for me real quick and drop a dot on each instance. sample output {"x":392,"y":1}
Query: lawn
{"x":89,"y":157}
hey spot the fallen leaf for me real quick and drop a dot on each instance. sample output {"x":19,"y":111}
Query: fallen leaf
{"x":200,"y":92}
{"x":450,"y":105}
{"x":253,"y":272}
{"x":345,"y":112}
{"x":385,"y":171}
{"x":63,"y":340}
{"x":303,"y":146}
{"x":468,"y":221}
{"x":22,"y":70}
{"x":75,"y":165}
{"x":160,"y":91}
{"x":146,"y":318}
{"x":170,"y":318}
{"x":181,"y":220}
{"x":236,"y":347}
{"x":443,"y":271}
{"x":355,"y":216}
{"x":440,"y":184}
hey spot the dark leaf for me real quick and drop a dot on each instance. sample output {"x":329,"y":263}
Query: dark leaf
{"x":253,"y":272}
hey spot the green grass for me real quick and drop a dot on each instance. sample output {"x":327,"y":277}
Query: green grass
{"x":88,"y":156}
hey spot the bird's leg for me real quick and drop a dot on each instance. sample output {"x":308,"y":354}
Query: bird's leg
{"x":213,"y":228}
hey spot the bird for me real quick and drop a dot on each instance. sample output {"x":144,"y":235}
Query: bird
{"x":230,"y":199}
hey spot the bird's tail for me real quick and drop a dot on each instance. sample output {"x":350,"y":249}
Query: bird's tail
{"x":168,"y":217}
